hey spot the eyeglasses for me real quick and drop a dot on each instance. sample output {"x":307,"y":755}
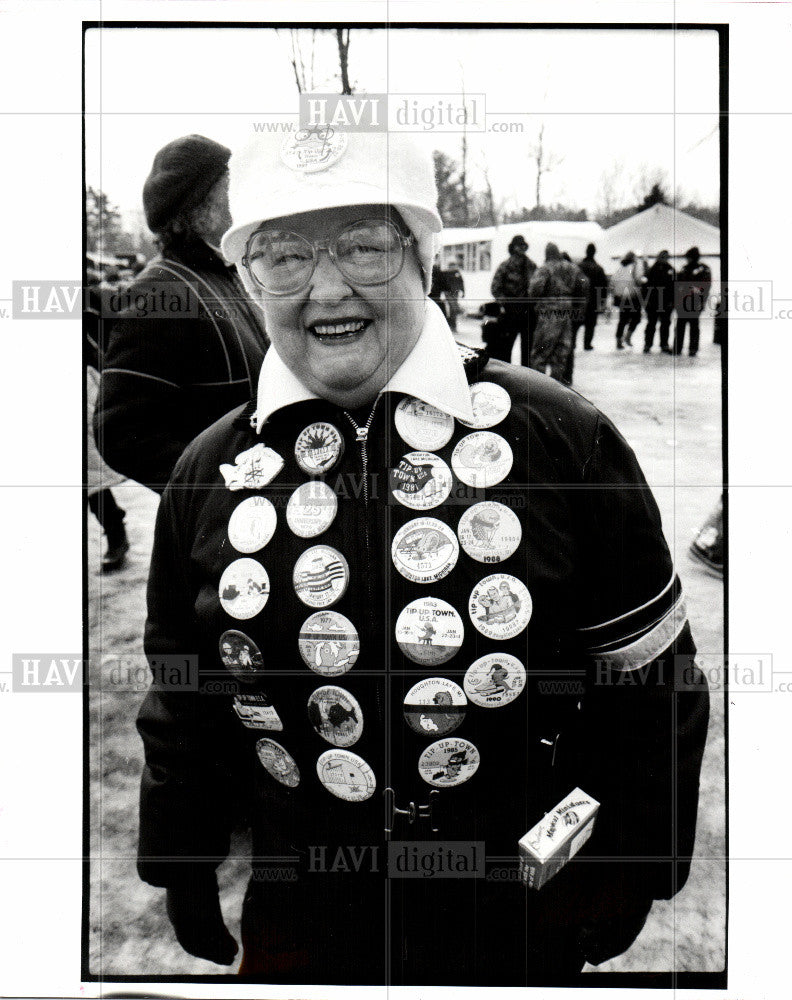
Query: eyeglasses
{"x":369,"y":252}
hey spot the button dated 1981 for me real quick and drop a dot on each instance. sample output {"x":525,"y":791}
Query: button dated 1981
{"x":278,"y":762}
{"x":421,"y":480}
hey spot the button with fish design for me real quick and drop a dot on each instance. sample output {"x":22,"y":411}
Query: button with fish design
{"x":494,"y":680}
{"x":329,"y":643}
{"x":489,"y":532}
{"x":423,"y":426}
{"x":435,"y":706}
{"x":335,"y":715}
{"x":278,"y":762}
{"x":482,"y":459}
{"x":448,"y":762}
{"x":425,"y":550}
{"x":421,"y":480}
{"x":311,"y":509}
{"x":244,"y":588}
{"x":346,"y":775}
{"x":500,"y":606}
{"x":321,"y":576}
{"x":429,"y":631}
{"x":257,"y":712}
{"x":318,"y":448}
{"x":252,"y":524}
{"x":240,"y":655}
{"x":491,"y":404}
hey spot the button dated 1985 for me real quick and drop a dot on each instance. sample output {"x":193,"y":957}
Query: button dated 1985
{"x":448,"y":762}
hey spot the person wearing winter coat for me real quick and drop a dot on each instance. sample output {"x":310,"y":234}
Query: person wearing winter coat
{"x":595,"y":298}
{"x":660,"y":281}
{"x":692,"y":291}
{"x":509,"y":288}
{"x":558,"y":289}
{"x":625,"y":286}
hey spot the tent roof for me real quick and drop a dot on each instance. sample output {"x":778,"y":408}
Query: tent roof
{"x":660,"y":227}
{"x":538,"y":230}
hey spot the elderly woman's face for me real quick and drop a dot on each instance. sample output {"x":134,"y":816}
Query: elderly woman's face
{"x":344,"y":341}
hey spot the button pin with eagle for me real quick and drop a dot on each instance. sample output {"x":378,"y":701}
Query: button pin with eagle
{"x":278,"y":762}
{"x":425,"y":550}
{"x":346,"y":775}
{"x":448,"y":762}
{"x":329,"y":643}
{"x":335,"y":715}
{"x":244,"y":588}
{"x":318,"y":448}
{"x":429,"y":631}
{"x":252,"y":524}
{"x":500,"y":606}
{"x":494,"y":680}
{"x":482,"y":459}
{"x":489,"y":532}
{"x":421,"y":480}
{"x":423,"y":426}
{"x":434,"y":706}
{"x":491,"y":404}
{"x":321,"y":576}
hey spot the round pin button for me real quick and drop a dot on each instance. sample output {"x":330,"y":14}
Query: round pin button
{"x":244,"y":588}
{"x":482,"y":459}
{"x":429,"y":631}
{"x":491,"y":404}
{"x":434,"y":706}
{"x":425,"y":550}
{"x":448,"y":762}
{"x":278,"y":762}
{"x":489,"y":532}
{"x":346,"y":775}
{"x":335,"y":715}
{"x":252,"y":524}
{"x":494,"y":680}
{"x":321,"y":576}
{"x":500,"y":606}
{"x":329,"y":643}
{"x":311,"y":509}
{"x":313,"y":149}
{"x":318,"y":448}
{"x":240,"y":655}
{"x":423,"y":426}
{"x":421,"y":480}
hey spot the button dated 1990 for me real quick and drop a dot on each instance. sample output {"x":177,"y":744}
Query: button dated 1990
{"x":494,"y":680}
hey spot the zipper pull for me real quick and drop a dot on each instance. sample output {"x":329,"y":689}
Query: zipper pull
{"x":362,"y":434}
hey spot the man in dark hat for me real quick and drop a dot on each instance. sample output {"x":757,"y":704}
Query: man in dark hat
{"x":692,"y":289}
{"x":182,"y":345}
{"x":659,"y":302}
{"x":510,"y":288}
{"x":595,"y":299}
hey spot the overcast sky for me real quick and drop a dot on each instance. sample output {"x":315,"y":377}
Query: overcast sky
{"x":635,"y":100}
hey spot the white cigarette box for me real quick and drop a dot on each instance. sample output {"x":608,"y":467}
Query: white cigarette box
{"x":556,"y":838}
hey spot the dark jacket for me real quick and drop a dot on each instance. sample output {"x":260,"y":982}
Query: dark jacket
{"x":692,"y":288}
{"x":512,"y":277}
{"x":185,"y":346}
{"x":602,"y":588}
{"x":597,"y":284}
{"x":660,"y":287}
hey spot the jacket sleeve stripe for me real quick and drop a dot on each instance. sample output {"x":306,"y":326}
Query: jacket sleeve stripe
{"x":663,"y":593}
{"x":642,"y":651}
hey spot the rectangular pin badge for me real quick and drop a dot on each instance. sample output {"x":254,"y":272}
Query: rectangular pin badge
{"x":556,"y":838}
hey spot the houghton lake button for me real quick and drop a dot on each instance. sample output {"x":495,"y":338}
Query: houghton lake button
{"x":278,"y":762}
{"x":425,"y":550}
{"x":252,"y":524}
{"x":346,"y":775}
{"x":489,"y":532}
{"x":429,"y":631}
{"x":311,"y":509}
{"x":256,"y":711}
{"x":240,"y":655}
{"x":482,"y":459}
{"x":244,"y":588}
{"x":491,"y":404}
{"x":421,"y":480}
{"x":435,"y":706}
{"x":335,"y":715}
{"x":494,"y":680}
{"x":318,"y":448}
{"x":448,"y":762}
{"x":329,"y":643}
{"x":321,"y":576}
{"x":423,"y":426}
{"x":500,"y":606}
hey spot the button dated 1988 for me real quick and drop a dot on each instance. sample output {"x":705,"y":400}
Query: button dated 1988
{"x":425,"y":550}
{"x":489,"y":532}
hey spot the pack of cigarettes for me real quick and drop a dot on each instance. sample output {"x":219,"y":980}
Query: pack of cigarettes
{"x":556,"y":838}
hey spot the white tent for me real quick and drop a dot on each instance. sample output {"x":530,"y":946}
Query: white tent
{"x":660,"y":227}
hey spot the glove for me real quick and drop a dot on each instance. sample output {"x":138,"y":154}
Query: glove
{"x":194,"y":911}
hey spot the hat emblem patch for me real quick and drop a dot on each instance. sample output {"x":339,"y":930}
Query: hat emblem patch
{"x":314,"y":148}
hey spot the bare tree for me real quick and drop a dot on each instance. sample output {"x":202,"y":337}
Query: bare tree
{"x":303,"y":77}
{"x":463,"y":172}
{"x":488,"y":194}
{"x":342,"y":36}
{"x":609,"y":197}
{"x":545,"y":160}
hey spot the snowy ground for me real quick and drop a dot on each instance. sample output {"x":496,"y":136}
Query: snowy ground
{"x":669,"y":409}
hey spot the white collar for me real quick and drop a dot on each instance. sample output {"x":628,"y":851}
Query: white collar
{"x":433,"y":372}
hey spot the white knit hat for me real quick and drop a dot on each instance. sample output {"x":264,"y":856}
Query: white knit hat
{"x":275,"y":176}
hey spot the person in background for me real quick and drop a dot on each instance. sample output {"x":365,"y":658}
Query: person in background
{"x":510,"y":289}
{"x":625,"y":286}
{"x":692,"y":289}
{"x":454,"y":290}
{"x":595,"y":298}
{"x":438,"y":286}
{"x":558,"y":290}
{"x":659,"y":302}
{"x":186,"y":344}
